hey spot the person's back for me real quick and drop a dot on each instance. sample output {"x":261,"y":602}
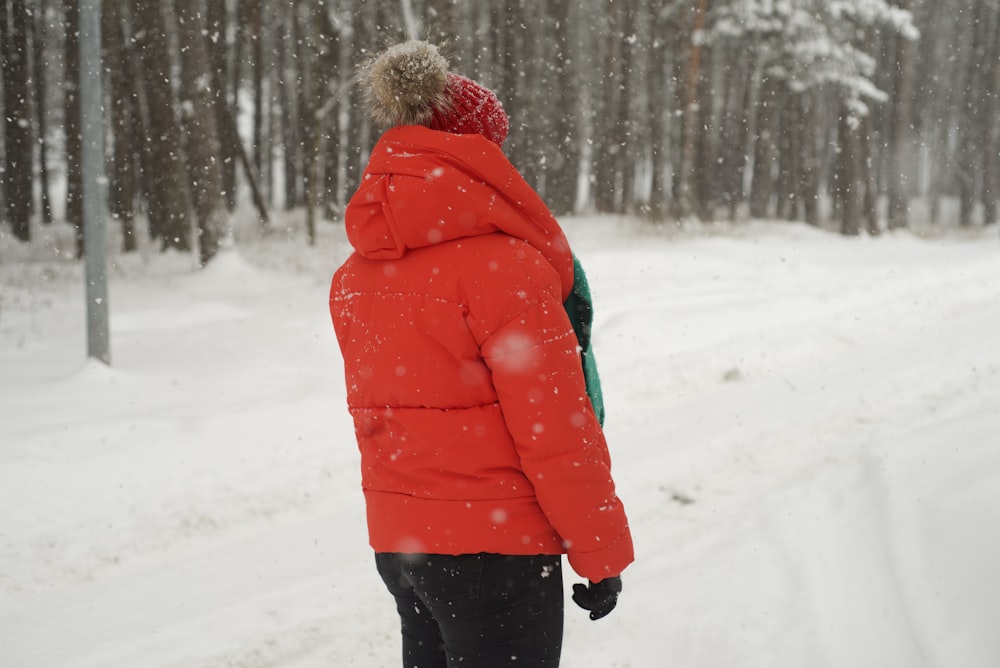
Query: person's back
{"x":481,"y":451}
{"x":441,"y":470}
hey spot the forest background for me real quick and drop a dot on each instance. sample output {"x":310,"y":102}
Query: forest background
{"x":840,"y":113}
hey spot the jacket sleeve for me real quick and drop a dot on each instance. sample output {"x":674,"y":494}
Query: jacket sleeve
{"x":533,"y":356}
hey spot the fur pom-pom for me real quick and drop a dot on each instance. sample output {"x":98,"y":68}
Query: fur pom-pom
{"x":406,"y":84}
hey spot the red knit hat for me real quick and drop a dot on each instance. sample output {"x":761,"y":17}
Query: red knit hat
{"x":472,"y":109}
{"x":409,"y":84}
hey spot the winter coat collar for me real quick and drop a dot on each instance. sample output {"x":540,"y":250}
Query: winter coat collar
{"x":423,"y":187}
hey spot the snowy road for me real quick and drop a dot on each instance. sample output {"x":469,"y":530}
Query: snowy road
{"x":804,"y":430}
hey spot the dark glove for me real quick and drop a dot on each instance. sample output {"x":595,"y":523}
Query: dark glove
{"x":600,"y":597}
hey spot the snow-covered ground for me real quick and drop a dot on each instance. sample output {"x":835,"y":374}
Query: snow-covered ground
{"x":805,"y":428}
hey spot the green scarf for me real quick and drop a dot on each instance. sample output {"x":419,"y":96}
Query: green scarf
{"x":580,"y":309}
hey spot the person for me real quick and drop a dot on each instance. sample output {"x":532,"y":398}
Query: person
{"x":483,"y":459}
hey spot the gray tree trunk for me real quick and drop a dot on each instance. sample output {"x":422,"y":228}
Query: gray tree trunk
{"x":18,"y":150}
{"x":991,"y":145}
{"x":40,"y":67}
{"x":765,"y":150}
{"x":169,"y":200}
{"x":687,"y":195}
{"x":869,"y":179}
{"x":607,"y":121}
{"x":851,"y":186}
{"x":217,"y":27}
{"x":255,"y":33}
{"x":203,"y":146}
{"x":659,"y":195}
{"x":71,"y":120}
{"x":899,"y":142}
{"x":811,"y":162}
{"x":973,"y":122}
{"x":121,"y":190}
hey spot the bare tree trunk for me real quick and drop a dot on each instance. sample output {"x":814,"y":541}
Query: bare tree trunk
{"x":991,"y":147}
{"x":851,"y":183}
{"x":485,"y":43}
{"x":973,"y":123}
{"x":336,"y":80}
{"x":202,"y":136}
{"x":41,"y":107}
{"x":795,"y":132}
{"x":899,"y":141}
{"x":628,"y":153}
{"x":442,"y":26}
{"x":358,"y":137}
{"x":659,"y":199}
{"x":18,"y":150}
{"x":869,"y":180}
{"x":71,"y":120}
{"x":939,"y":69}
{"x":528,"y":150}
{"x":229,"y":136}
{"x":513,"y":86}
{"x":4,"y":45}
{"x":299,"y":54}
{"x":255,"y":33}
{"x":762,"y":186}
{"x":705,"y":165}
{"x":606,"y":121}
{"x":310,"y":127}
{"x":121,"y":191}
{"x":138,"y":128}
{"x":217,"y":27}
{"x":561,"y":172}
{"x":288,"y":103}
{"x":169,"y":202}
{"x":810,"y":175}
{"x":739,"y":101}
{"x":686,"y":194}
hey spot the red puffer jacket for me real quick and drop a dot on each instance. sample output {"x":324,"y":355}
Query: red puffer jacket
{"x":463,"y":373}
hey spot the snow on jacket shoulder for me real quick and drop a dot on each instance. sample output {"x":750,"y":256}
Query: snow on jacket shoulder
{"x":463,"y":372}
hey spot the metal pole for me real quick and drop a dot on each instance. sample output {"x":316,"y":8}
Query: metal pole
{"x":92,"y":168}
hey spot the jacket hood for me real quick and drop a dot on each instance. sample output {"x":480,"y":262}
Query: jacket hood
{"x":423,"y":187}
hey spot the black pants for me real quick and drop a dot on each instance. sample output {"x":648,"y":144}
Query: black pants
{"x":477,"y":610}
